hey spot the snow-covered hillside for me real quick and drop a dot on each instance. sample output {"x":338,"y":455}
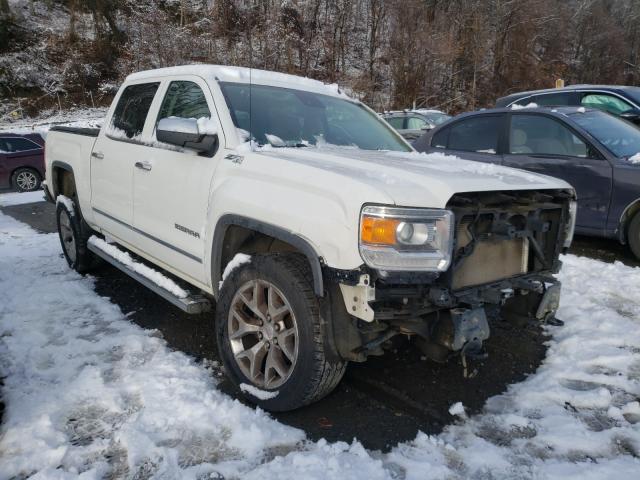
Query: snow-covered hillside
{"x":90,"y":395}
{"x":86,"y":117}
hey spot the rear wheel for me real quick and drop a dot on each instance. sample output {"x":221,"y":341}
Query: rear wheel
{"x":74,"y":234}
{"x":25,"y":180}
{"x":269,"y":334}
{"x":633,"y":235}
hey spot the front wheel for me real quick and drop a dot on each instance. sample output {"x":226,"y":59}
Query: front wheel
{"x":633,"y":236}
{"x":269,"y":334}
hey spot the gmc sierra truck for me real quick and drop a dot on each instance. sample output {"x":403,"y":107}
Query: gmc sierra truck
{"x":305,"y":222}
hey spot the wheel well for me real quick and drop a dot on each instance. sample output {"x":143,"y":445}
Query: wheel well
{"x":63,"y":183}
{"x":239,"y":239}
{"x":628,"y":214}
{"x":234,"y":234}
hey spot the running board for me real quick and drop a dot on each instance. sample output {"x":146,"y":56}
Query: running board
{"x":192,"y":303}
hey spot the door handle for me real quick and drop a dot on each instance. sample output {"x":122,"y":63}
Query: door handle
{"x":143,"y":166}
{"x":98,"y":155}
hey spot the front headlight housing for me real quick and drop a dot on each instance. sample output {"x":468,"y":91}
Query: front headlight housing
{"x":408,"y":239}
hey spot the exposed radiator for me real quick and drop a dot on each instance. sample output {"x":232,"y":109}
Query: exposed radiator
{"x":490,"y":261}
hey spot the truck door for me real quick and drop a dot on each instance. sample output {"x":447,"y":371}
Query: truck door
{"x":114,"y":154}
{"x":545,"y":145}
{"x":172,"y":185}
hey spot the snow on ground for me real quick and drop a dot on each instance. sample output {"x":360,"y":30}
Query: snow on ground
{"x":19,"y":198}
{"x":90,"y":395}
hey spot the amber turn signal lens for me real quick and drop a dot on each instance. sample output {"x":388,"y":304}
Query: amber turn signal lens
{"x":378,"y":231}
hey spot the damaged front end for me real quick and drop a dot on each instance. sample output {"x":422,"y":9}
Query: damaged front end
{"x":506,"y":248}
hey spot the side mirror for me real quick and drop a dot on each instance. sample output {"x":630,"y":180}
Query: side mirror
{"x":199,"y":135}
{"x":426,"y":128}
{"x":632,"y":115}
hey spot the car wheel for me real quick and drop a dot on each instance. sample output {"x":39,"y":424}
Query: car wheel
{"x":25,"y":180}
{"x":270,"y":335}
{"x":633,"y":235}
{"x":74,"y":234}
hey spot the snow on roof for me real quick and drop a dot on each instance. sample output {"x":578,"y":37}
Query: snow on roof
{"x":225,"y":73}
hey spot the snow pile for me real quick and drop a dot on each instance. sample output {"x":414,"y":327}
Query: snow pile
{"x":457,"y":409}
{"x":149,"y":273}
{"x":515,"y":106}
{"x":89,"y":394}
{"x":20,"y":198}
{"x":256,"y":392}
{"x":126,"y":406}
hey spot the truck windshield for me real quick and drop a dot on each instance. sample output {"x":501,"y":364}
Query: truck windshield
{"x":284,"y":117}
{"x":620,"y":137}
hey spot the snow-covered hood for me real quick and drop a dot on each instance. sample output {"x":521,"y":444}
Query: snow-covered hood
{"x":411,"y":178}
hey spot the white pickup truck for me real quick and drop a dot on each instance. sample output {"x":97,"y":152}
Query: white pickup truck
{"x":312,"y":226}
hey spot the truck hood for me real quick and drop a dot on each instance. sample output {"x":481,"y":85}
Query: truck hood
{"x":411,"y":178}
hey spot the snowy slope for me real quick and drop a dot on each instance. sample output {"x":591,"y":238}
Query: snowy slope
{"x":85,"y":117}
{"x":90,"y":395}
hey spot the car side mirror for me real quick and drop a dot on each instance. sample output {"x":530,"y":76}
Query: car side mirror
{"x":632,"y":115}
{"x":199,"y":135}
{"x":426,"y":128}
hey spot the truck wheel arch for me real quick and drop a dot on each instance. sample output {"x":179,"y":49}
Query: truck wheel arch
{"x":62,"y":178}
{"x":234,"y":234}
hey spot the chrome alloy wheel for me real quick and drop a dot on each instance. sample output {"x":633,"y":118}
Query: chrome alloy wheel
{"x":66,"y":234}
{"x":27,"y":180}
{"x":263,"y":334}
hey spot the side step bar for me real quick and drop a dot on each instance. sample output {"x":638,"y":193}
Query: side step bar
{"x":192,"y":303}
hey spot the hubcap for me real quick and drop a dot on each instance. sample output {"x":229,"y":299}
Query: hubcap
{"x":263,"y":334}
{"x":66,"y":234}
{"x":27,"y":180}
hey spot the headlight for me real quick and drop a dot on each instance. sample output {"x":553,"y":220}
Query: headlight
{"x":571,"y":224}
{"x":412,"y":239}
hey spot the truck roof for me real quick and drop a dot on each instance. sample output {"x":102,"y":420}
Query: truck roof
{"x":225,"y":73}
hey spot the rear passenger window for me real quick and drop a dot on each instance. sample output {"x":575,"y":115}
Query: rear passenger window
{"x":132,"y":108}
{"x":16,"y":144}
{"x":441,"y":138}
{"x":415,"y":123}
{"x":551,"y":99}
{"x":396,"y":122}
{"x":477,"y":134}
{"x":185,"y":100}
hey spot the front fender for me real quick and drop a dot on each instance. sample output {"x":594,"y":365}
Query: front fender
{"x":271,"y":230}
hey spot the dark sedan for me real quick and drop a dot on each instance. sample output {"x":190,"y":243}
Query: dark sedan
{"x":594,"y":151}
{"x":21,"y":161}
{"x":620,"y":100}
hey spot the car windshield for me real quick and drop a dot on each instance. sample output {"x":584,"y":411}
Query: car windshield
{"x":619,"y":136}
{"x":284,"y":117}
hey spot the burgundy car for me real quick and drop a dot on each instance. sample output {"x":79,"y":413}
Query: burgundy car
{"x":21,"y":161}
